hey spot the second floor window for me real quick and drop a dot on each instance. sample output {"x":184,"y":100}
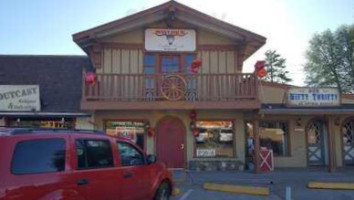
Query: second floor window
{"x":149,"y":64}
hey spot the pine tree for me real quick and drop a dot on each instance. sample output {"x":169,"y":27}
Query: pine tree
{"x":275,"y":66}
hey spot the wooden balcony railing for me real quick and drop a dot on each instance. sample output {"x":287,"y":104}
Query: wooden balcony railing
{"x":177,"y":87}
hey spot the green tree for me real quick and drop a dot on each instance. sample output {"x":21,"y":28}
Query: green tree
{"x":330,"y":59}
{"x":275,"y":66}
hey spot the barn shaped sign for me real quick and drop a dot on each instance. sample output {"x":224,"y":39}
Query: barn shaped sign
{"x":171,"y":40}
{"x":19,"y":98}
{"x":313,"y":97}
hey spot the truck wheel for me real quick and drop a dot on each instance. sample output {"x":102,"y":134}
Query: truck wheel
{"x":163,"y":192}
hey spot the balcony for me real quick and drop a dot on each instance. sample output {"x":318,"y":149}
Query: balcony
{"x":172,"y":91}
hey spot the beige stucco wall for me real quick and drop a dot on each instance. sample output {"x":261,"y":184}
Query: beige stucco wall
{"x":269,"y":94}
{"x":155,"y":116}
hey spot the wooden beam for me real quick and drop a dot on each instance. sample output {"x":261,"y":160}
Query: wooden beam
{"x":332,"y":164}
{"x":168,"y":105}
{"x":256,"y":146}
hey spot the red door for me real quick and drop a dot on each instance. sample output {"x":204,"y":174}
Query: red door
{"x":170,"y":142}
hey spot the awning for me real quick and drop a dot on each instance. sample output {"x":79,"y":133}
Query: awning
{"x":345,"y":109}
{"x":43,"y":114}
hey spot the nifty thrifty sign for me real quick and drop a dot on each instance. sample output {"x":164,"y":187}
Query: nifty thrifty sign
{"x":313,"y":97}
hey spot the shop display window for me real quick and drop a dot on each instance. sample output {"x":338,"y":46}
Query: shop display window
{"x":215,"y":139}
{"x":133,"y":130}
{"x":43,"y":123}
{"x":275,"y":135}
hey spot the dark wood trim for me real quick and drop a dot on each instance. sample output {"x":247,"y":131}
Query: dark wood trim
{"x":321,"y":118}
{"x":346,"y":120}
{"x":257,"y":146}
{"x":128,"y":119}
{"x":234,"y":152}
{"x":168,"y":105}
{"x":179,"y":7}
{"x":332,"y":164}
{"x":116,"y":45}
{"x":212,"y":47}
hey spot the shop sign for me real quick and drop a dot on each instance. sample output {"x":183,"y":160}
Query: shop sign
{"x":313,"y":97}
{"x":206,"y":153}
{"x":170,"y":39}
{"x":19,"y":98}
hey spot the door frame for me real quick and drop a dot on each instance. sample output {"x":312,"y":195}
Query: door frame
{"x":346,"y":120}
{"x":184,"y":140}
{"x":326,"y":153}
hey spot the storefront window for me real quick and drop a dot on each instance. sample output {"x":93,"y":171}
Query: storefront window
{"x":43,"y":123}
{"x":275,"y":135}
{"x":134,"y":130}
{"x":216,"y":139}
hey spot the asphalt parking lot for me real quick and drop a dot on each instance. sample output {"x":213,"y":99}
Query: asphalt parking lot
{"x":297,"y":180}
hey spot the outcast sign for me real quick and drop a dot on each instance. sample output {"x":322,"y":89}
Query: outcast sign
{"x":19,"y":98}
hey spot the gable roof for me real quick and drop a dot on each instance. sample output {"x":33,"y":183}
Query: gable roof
{"x":59,"y":78}
{"x":160,"y":12}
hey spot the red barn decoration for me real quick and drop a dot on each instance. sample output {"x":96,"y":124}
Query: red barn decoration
{"x":260,"y":69}
{"x":195,"y":65}
{"x":90,"y":78}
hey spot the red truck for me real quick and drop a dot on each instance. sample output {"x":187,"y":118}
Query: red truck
{"x":58,"y":164}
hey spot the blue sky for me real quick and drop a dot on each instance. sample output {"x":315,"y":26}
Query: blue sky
{"x":46,"y":26}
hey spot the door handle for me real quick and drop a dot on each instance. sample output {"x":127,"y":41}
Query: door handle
{"x":83,"y":181}
{"x":127,"y":175}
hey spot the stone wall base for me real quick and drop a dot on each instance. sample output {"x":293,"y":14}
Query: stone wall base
{"x":216,"y":165}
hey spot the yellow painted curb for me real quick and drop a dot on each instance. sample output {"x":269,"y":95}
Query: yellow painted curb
{"x":176,"y":192}
{"x":237,"y":189}
{"x":331,"y":185}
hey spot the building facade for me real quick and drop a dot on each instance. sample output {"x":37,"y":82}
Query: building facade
{"x":143,"y":65}
{"x":170,"y":78}
{"x":42,"y":91}
{"x":209,"y":117}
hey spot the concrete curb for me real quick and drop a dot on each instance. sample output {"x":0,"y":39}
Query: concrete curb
{"x":237,"y":189}
{"x":331,"y":185}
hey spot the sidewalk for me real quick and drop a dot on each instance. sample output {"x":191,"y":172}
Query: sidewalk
{"x":277,"y":181}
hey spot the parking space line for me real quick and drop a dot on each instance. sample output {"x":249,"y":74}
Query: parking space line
{"x":185,"y":195}
{"x":237,"y":189}
{"x":331,"y":185}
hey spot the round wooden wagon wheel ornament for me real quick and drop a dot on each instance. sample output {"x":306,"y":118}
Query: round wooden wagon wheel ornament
{"x":173,"y":87}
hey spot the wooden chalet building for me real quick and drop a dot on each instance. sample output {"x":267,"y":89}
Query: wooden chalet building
{"x":147,"y":90}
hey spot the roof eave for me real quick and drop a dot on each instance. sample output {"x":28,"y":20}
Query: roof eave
{"x":248,"y":36}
